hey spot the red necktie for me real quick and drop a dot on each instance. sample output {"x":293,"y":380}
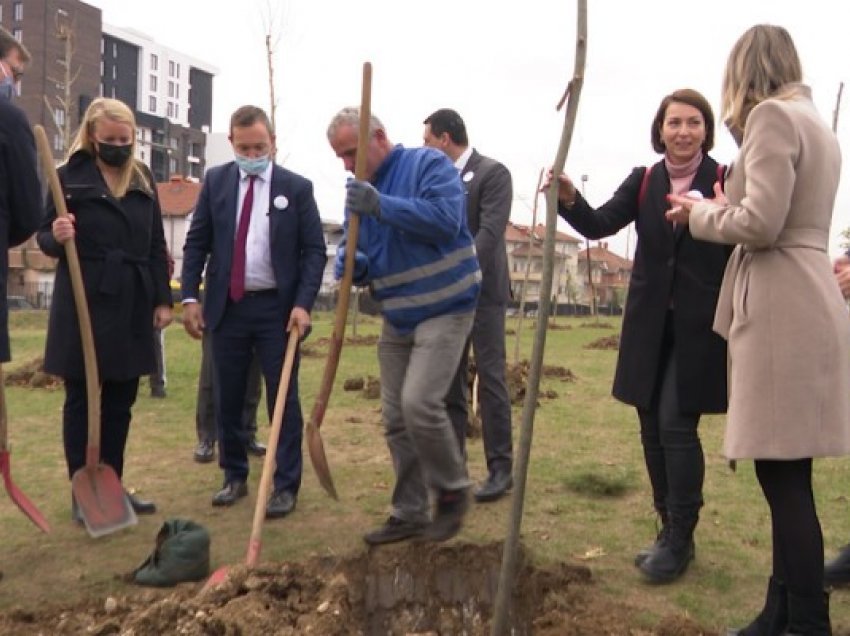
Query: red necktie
{"x":237,"y":270}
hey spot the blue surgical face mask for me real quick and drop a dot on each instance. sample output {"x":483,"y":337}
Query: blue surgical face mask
{"x":252,"y":165}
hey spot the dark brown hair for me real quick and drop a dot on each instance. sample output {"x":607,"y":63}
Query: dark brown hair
{"x":246,"y":116}
{"x":692,"y":98}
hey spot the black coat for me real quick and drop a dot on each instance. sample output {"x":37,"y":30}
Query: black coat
{"x":121,"y":245}
{"x":672,"y":269}
{"x":20,"y":197}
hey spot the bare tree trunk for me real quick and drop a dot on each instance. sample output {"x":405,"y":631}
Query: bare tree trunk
{"x":501,"y":610}
{"x":65,"y":33}
{"x":527,"y":268}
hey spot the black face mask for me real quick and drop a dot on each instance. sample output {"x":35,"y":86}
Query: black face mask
{"x":112,"y":155}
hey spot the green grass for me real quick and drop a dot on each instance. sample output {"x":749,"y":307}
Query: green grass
{"x":587,"y":495}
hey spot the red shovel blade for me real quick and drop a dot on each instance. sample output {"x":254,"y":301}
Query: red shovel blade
{"x":18,"y":496}
{"x":101,"y":500}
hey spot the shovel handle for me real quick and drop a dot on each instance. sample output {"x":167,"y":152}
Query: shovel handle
{"x":83,"y":316}
{"x":317,"y":415}
{"x":270,"y":460}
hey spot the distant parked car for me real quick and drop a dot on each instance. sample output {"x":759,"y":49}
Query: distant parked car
{"x":18,"y":302}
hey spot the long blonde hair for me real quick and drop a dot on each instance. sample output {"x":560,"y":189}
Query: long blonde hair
{"x":117,"y":111}
{"x":762,"y":64}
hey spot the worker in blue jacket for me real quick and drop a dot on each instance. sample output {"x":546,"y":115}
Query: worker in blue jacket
{"x":417,"y":255}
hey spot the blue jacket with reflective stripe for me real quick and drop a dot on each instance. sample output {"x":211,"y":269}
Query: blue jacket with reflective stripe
{"x":421,"y":260}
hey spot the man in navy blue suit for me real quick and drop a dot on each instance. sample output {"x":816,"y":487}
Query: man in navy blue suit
{"x":257,"y":229}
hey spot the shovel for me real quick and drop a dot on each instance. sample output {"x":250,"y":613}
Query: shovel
{"x":314,"y":438}
{"x":255,"y":543}
{"x":17,"y":495}
{"x":96,"y":488}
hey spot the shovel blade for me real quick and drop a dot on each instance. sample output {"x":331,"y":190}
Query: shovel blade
{"x":319,"y":459}
{"x":17,"y":495}
{"x":101,"y":500}
{"x":216,"y":578}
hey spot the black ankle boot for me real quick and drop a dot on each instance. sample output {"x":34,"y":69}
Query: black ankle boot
{"x":661,"y":534}
{"x":773,"y":618}
{"x":808,"y":615}
{"x":671,"y":559}
{"x":837,"y":571}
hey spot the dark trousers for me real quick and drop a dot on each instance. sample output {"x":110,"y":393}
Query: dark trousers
{"x":255,"y":324}
{"x":205,"y":405}
{"x":488,"y":345}
{"x":796,"y":530}
{"x":116,"y":400}
{"x":671,"y":444}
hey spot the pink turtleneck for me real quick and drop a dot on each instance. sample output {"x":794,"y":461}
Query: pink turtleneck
{"x":682,"y":175}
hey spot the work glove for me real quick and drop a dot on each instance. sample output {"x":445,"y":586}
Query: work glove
{"x":361,"y":266}
{"x":362,"y":198}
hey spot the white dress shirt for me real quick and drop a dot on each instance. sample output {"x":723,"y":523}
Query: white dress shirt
{"x":259,"y":274}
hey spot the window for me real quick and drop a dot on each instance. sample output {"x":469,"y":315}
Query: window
{"x":18,"y":11}
{"x":114,"y":72}
{"x":154,"y":62}
{"x":171,"y":66}
{"x":152,"y":104}
{"x":170,"y":109}
{"x":171,"y":89}
{"x":18,"y":34}
{"x":58,"y":142}
{"x":172,"y":166}
{"x":177,"y":111}
{"x":178,"y":71}
{"x":59,"y":116}
{"x":153,"y":83}
{"x":173,"y":143}
{"x":114,"y":49}
{"x":177,"y":91}
{"x":102,"y":40}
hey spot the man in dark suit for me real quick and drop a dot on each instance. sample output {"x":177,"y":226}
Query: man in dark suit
{"x":21,"y":204}
{"x":488,"y":208}
{"x":264,"y":279}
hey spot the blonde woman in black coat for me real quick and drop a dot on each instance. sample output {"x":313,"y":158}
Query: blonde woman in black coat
{"x":115,"y":219}
{"x":671,"y":366}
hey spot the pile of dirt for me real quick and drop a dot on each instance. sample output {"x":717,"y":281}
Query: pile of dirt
{"x":597,"y":325}
{"x":517,"y":378}
{"x":370,"y":386}
{"x":31,"y":374}
{"x":406,"y":589}
{"x":608,"y":342}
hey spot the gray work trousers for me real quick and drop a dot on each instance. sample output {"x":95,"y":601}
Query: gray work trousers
{"x":416,"y":371}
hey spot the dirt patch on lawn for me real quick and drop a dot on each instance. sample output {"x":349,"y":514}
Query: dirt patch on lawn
{"x":31,"y":374}
{"x":410,"y":589}
{"x":608,"y":342}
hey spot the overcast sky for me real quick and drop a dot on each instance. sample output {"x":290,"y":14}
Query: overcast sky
{"x":502,"y":65}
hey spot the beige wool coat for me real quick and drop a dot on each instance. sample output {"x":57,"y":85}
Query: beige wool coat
{"x":780,"y":307}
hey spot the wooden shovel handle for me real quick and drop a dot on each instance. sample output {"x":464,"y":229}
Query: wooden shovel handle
{"x":86,"y":335}
{"x":317,"y":415}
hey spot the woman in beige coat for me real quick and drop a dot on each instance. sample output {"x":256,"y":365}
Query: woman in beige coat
{"x":780,"y":310}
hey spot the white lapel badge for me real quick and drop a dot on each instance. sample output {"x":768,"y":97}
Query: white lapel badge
{"x":280,"y":202}
{"x":469,"y":176}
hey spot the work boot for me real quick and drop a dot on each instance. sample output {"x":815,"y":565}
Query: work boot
{"x":808,"y":615}
{"x":837,"y":571}
{"x":644,"y":554}
{"x":773,"y":618}
{"x":394,"y":529}
{"x":672,"y":557}
{"x":451,"y":508}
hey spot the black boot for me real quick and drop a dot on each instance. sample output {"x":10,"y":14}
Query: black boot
{"x":671,"y":559}
{"x":808,"y":615}
{"x":644,"y":554}
{"x":837,"y":571}
{"x":773,"y":619}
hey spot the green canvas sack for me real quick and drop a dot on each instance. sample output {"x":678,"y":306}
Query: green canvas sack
{"x":182,"y":553}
